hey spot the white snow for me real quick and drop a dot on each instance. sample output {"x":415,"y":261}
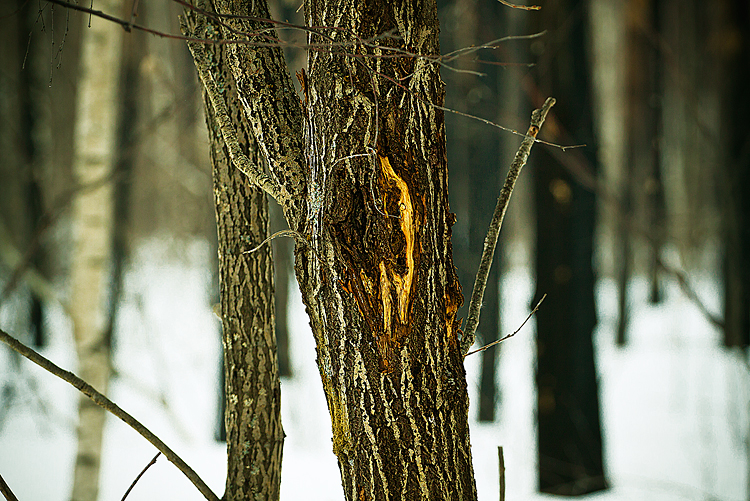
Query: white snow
{"x":674,"y":402}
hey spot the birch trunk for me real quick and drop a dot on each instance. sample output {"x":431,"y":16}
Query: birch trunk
{"x":92,"y":220}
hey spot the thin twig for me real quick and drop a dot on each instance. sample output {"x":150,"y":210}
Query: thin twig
{"x":5,"y":491}
{"x":111,"y":407}
{"x":483,"y":348}
{"x":299,"y":237}
{"x":149,"y":465}
{"x":490,"y":241}
{"x":501,"y":471}
{"x":522,"y":7}
{"x":283,"y":233}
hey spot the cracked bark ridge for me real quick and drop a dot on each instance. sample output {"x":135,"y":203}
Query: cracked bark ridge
{"x":381,"y":291}
{"x":268,"y":97}
{"x":253,"y":405}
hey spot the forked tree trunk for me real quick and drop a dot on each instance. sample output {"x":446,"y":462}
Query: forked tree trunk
{"x":374,"y":261}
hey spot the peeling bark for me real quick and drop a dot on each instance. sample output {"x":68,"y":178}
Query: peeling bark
{"x":380,"y":288}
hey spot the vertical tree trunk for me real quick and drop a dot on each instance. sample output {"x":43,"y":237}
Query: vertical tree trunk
{"x":92,"y":216}
{"x":644,"y":191}
{"x":283,"y":259}
{"x":380,"y":287}
{"x":36,"y":131}
{"x":255,"y":437}
{"x":570,"y":441}
{"x":736,"y":177}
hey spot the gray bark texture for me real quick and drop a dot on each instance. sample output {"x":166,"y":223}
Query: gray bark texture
{"x":360,"y":170}
{"x":255,"y":436}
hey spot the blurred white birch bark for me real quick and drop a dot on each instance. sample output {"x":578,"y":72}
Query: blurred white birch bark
{"x":96,"y":114}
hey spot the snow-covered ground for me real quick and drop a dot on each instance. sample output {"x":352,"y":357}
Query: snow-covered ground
{"x":674,"y":403}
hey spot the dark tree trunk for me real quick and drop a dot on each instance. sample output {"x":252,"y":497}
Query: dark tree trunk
{"x":477,"y":166}
{"x":643,"y":194}
{"x":283,"y":272}
{"x":644,"y":190}
{"x":570,"y":442}
{"x":130,"y":93}
{"x":736,"y":108}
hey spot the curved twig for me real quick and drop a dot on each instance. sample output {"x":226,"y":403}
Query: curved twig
{"x":149,"y":465}
{"x":493,"y":343}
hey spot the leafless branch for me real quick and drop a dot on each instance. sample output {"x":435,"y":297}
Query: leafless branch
{"x":483,"y":348}
{"x":522,"y":7}
{"x":5,"y":491}
{"x":299,"y":237}
{"x":149,"y":465}
{"x":687,"y":289}
{"x":111,"y":407}
{"x":490,"y":241}
{"x":252,"y":170}
{"x":501,"y":471}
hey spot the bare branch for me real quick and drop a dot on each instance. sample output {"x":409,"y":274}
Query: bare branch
{"x":111,"y":407}
{"x":485,"y":347}
{"x":490,"y":241}
{"x":5,"y":491}
{"x":501,"y":471}
{"x":252,"y":170}
{"x":687,"y":289}
{"x":283,"y":233}
{"x":522,"y":7}
{"x":149,"y":465}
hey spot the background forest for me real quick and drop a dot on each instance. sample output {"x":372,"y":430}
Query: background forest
{"x":632,"y":379}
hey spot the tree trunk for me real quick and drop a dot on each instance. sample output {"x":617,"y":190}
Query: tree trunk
{"x":380,"y":287}
{"x":283,"y":272}
{"x":570,"y":440}
{"x":374,"y":261}
{"x":736,"y":177}
{"x":255,"y":437}
{"x":92,"y":220}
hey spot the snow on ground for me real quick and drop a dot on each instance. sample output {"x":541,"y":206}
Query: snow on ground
{"x":674,"y":404}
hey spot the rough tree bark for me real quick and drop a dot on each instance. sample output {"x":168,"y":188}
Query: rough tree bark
{"x":251,"y":378}
{"x":360,"y":171}
{"x":383,"y":294}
